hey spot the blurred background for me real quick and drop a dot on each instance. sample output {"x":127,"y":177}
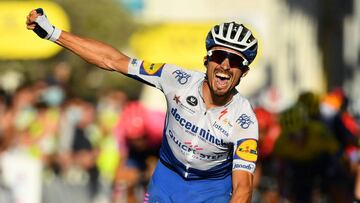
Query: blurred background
{"x":70,"y":132}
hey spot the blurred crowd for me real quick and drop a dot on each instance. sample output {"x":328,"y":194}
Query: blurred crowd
{"x":309,"y":152}
{"x":61,"y":148}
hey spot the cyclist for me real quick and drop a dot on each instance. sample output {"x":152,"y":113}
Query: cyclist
{"x":209,"y":147}
{"x":139,"y":142}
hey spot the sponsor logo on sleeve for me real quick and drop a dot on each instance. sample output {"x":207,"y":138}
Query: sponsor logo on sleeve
{"x":246,"y":150}
{"x":152,"y":69}
{"x":244,"y":121}
{"x":181,"y":76}
{"x":133,"y":61}
{"x":249,"y":166}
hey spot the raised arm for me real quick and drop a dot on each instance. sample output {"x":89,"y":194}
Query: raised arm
{"x":92,"y":51}
{"x":95,"y":52}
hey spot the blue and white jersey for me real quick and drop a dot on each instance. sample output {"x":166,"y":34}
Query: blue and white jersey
{"x":200,"y":143}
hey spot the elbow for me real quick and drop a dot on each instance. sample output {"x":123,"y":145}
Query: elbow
{"x":107,"y":64}
{"x":118,"y":64}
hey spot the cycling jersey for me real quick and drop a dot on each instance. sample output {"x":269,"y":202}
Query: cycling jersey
{"x":200,"y":143}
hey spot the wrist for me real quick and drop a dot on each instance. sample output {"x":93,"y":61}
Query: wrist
{"x":55,"y":35}
{"x":46,"y":30}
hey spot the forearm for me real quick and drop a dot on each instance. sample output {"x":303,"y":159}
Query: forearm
{"x":242,"y":187}
{"x":92,"y":51}
{"x":241,"y":195}
{"x":95,"y":52}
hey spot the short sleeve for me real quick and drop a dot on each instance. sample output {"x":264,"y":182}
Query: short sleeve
{"x":245,"y":140}
{"x":165,"y":77}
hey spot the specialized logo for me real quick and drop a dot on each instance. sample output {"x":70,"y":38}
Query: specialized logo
{"x":222,"y":113}
{"x":153,"y":69}
{"x":247,"y":150}
{"x":181,"y":76}
{"x":244,"y":121}
{"x":192,"y":100}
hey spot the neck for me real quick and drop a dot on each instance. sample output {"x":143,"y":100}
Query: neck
{"x":213,"y":100}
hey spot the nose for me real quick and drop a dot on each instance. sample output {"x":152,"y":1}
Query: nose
{"x":225,"y":64}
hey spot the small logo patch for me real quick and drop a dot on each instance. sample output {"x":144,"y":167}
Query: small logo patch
{"x":181,"y":76}
{"x":153,"y":69}
{"x":244,"y":121}
{"x":192,"y":100}
{"x":177,"y":99}
{"x":247,"y":150}
{"x":249,"y":167}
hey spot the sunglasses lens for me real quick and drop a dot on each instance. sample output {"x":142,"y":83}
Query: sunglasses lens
{"x":218,"y":56}
{"x":236,"y":60}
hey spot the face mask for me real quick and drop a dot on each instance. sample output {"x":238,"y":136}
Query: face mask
{"x":53,"y":96}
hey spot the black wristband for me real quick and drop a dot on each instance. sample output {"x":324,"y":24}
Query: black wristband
{"x":40,"y":31}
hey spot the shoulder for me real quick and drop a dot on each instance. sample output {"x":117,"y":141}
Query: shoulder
{"x":182,"y":72}
{"x":181,"y":76}
{"x":151,"y":68}
{"x":242,"y":105}
{"x":243,"y":114}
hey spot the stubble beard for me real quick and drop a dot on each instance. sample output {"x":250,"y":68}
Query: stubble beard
{"x":218,"y":94}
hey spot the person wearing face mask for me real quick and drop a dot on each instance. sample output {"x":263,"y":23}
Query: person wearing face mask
{"x":209,"y":146}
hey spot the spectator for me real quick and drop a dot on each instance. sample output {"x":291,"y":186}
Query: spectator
{"x":304,"y":146}
{"x":140,"y":141}
{"x":339,"y":120}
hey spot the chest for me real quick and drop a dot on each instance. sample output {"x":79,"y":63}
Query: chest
{"x":187,"y":113}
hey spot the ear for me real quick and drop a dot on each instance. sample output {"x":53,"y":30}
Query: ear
{"x":244,"y":71}
{"x":205,"y":60}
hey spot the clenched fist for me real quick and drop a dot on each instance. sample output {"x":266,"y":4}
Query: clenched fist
{"x":38,"y":22}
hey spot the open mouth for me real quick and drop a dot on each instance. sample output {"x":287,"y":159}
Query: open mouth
{"x":222,"y":80}
{"x":222,"y":76}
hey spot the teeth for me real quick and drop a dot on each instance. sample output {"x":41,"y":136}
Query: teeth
{"x":222,"y":75}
